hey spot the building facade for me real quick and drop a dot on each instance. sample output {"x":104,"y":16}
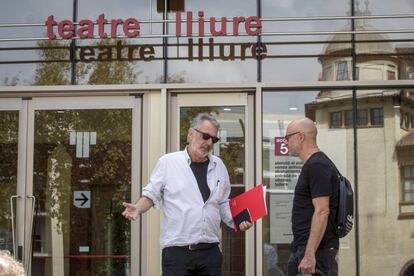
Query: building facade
{"x":94,"y":92}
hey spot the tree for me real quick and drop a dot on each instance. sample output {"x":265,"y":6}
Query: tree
{"x":114,"y":71}
{"x":8,"y":173}
{"x":54,"y":71}
{"x":173,"y":78}
{"x":56,"y":68}
{"x":11,"y":81}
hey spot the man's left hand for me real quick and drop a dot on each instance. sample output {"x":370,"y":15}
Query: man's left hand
{"x":245,"y":225}
{"x":307,"y":265}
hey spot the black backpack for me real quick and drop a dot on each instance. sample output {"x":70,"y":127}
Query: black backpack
{"x":345,"y":215}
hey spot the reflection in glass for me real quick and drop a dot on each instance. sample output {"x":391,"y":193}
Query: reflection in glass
{"x":218,"y":60}
{"x":302,"y":8}
{"x":385,"y":159}
{"x":26,"y":12}
{"x":9,"y":121}
{"x":408,"y":186}
{"x":82,"y":174}
{"x":281,"y":171}
{"x":231,"y":149}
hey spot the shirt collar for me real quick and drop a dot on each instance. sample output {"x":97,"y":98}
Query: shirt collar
{"x":188,"y":158}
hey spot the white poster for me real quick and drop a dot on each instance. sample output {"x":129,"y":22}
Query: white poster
{"x":280,"y":218}
{"x":284,"y":171}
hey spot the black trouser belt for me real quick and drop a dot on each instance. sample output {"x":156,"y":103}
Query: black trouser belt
{"x":198,"y":246}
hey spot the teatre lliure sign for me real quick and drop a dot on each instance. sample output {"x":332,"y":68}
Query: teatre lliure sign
{"x":65,"y":29}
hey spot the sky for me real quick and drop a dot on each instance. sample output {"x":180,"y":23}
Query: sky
{"x":36,"y":11}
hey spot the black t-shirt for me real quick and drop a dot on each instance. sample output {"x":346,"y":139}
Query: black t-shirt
{"x":317,"y":178}
{"x":200,"y":173}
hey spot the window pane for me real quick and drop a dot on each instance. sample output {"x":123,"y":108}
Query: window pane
{"x":336,"y":119}
{"x":377,"y":116}
{"x":19,"y":66}
{"x":218,"y":59}
{"x":407,"y":186}
{"x":390,"y":75}
{"x":230,"y":149}
{"x":281,"y":171}
{"x":302,"y":57}
{"x":81,"y":157}
{"x":407,"y":172}
{"x":383,"y":154}
{"x":128,"y":63}
{"x":392,"y":43}
{"x":342,"y":71}
{"x":9,"y":131}
{"x":362,"y":117}
{"x":348,"y":118}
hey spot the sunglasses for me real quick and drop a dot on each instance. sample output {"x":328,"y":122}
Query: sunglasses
{"x":207,"y":136}
{"x":290,"y":135}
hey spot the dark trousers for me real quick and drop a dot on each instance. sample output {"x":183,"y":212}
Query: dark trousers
{"x":179,"y":261}
{"x":325,"y":262}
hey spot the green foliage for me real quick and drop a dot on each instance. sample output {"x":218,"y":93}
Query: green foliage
{"x":58,"y":171}
{"x":112,"y":72}
{"x":11,"y":81}
{"x":230,"y":154}
{"x":173,"y":78}
{"x":53,"y":73}
{"x":186,"y":116}
{"x":56,"y":70}
{"x":8,"y":172}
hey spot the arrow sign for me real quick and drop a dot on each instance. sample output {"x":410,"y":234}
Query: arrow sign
{"x":81,"y":199}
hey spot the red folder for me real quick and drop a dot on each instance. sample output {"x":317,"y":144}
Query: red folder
{"x":253,"y":200}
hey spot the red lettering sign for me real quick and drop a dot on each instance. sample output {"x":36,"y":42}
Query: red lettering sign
{"x":281,"y":148}
{"x":131,"y":28}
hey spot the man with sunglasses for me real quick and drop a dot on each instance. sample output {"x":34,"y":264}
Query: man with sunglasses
{"x":194,"y":187}
{"x":315,"y":241}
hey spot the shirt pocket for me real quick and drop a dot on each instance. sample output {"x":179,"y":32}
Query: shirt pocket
{"x":221,"y":190}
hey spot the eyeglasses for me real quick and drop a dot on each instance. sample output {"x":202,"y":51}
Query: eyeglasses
{"x":291,"y":134}
{"x":207,"y":136}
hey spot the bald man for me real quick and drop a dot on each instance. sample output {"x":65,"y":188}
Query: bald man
{"x":315,"y":241}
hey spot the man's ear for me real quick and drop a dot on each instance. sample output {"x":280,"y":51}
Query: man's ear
{"x":189,"y":135}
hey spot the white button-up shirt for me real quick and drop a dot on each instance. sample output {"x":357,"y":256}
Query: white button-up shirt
{"x":187,"y":218}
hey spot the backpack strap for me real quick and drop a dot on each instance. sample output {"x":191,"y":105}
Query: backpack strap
{"x":333,"y":164}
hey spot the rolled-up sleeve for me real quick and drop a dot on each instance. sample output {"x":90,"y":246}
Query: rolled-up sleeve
{"x":225,"y":213}
{"x":155,"y":188}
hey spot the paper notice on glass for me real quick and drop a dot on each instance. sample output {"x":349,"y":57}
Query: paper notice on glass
{"x":280,"y":213}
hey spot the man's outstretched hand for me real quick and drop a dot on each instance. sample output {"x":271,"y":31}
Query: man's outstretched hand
{"x":131,"y":211}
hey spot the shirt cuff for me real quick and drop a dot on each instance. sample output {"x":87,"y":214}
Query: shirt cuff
{"x":152,"y":196}
{"x":230,"y":224}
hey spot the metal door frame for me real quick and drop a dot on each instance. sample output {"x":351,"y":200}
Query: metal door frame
{"x":210,"y":98}
{"x":24,"y":194}
{"x":18,"y":201}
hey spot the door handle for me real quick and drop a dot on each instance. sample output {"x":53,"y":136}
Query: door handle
{"x":13,"y":224}
{"x":29,"y":259}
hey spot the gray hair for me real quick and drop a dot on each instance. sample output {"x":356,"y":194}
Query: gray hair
{"x":200,"y":118}
{"x":9,"y":266}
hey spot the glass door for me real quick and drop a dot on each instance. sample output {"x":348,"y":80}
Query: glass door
{"x":80,"y":169}
{"x":234,"y":112}
{"x":12,"y":197}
